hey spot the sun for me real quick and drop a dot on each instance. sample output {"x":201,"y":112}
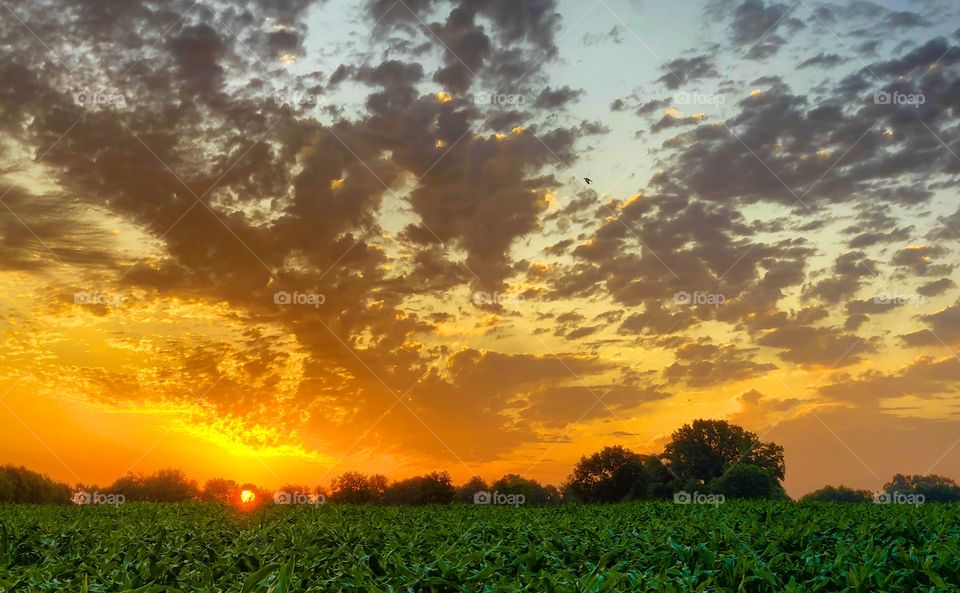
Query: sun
{"x":247,"y":496}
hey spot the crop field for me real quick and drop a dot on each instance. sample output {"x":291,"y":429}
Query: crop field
{"x":773,"y":547}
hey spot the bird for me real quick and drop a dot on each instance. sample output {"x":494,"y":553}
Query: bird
{"x":588,"y":180}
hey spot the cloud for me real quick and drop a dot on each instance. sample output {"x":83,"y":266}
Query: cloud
{"x":849,"y":273}
{"x":942,"y":327}
{"x":925,"y":376}
{"x":560,"y":407}
{"x":823,"y":60}
{"x":755,"y":26}
{"x":684,"y":71}
{"x":557,"y":98}
{"x":817,"y":346}
{"x":702,"y":364}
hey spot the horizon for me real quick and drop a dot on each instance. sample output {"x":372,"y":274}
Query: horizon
{"x":274,"y":242}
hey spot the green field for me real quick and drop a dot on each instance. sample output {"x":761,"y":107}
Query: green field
{"x":738,"y":546}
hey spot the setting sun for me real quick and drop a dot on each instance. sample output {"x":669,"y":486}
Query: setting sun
{"x":247,"y":496}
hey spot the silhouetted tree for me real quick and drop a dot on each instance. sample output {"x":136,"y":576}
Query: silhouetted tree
{"x":934,"y":488}
{"x":466,"y":492}
{"x":748,"y":481}
{"x":221,"y":490}
{"x":167,"y":485}
{"x":433,"y":488}
{"x":838,"y":494}
{"x":356,"y":488}
{"x":707,"y":448}
{"x":18,"y":484}
{"x":533,"y":492}
{"x":611,"y":475}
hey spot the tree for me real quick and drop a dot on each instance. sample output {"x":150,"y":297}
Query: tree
{"x":377,"y":486}
{"x":433,"y":488}
{"x":748,"y":481}
{"x":220,"y":490}
{"x":356,"y":488}
{"x":466,"y":492}
{"x":18,"y":484}
{"x":611,"y":475}
{"x":170,"y":485}
{"x":533,"y":492}
{"x":708,"y":448}
{"x":167,"y":485}
{"x":838,"y":494}
{"x":934,"y":488}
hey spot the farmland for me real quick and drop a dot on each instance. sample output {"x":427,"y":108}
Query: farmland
{"x":738,"y":546}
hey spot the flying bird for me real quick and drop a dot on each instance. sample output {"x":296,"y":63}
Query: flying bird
{"x":588,"y":180}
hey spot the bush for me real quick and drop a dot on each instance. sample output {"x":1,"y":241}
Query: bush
{"x":838,"y":494}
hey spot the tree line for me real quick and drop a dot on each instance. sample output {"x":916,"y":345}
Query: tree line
{"x":707,"y":456}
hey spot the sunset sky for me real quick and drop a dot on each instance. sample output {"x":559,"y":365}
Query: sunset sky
{"x":275,"y":241}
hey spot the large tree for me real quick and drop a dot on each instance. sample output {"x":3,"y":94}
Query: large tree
{"x":706,"y":449}
{"x":613,"y":474}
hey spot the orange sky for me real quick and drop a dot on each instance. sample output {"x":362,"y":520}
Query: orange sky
{"x":277,"y":245}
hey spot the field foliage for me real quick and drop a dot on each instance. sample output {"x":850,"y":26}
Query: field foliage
{"x":763,"y":547}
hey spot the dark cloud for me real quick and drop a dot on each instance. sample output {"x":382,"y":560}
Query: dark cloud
{"x":823,"y":60}
{"x":943,"y":327}
{"x":850,"y":271}
{"x":936,"y":288}
{"x":557,"y":98}
{"x":559,"y":407}
{"x":927,"y":377}
{"x":702,"y":364}
{"x":756,"y":26}
{"x":859,"y":312}
{"x":684,"y":71}
{"x":917,"y":260}
{"x":817,"y":346}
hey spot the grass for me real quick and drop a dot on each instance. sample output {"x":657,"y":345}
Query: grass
{"x":771,"y":547}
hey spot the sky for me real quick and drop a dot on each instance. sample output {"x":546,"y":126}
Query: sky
{"x":276,"y":241}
